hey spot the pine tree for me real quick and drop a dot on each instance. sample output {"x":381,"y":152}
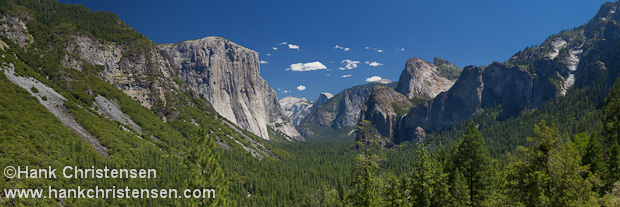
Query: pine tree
{"x":472,"y":159}
{"x":428,"y":181}
{"x":366,"y":190}
{"x":611,"y":115}
{"x":459,"y":190}
{"x":614,"y":164}
{"x":548,"y":175}
{"x":594,"y":156}
{"x":206,"y":173}
{"x":393,"y":194}
{"x":581,"y":143}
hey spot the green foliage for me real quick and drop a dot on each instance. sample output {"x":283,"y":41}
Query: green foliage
{"x":471,"y":157}
{"x":449,"y":72}
{"x":548,"y":173}
{"x":611,"y":118}
{"x":205,"y":172}
{"x":594,"y":157}
{"x":429,"y":182}
{"x":581,"y":142}
{"x":365,"y":181}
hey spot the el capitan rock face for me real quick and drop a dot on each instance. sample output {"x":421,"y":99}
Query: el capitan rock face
{"x":228,"y":76}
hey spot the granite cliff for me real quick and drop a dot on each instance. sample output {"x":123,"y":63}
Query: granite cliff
{"x":296,"y":108}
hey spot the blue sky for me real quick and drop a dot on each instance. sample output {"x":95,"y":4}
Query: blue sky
{"x":465,"y":33}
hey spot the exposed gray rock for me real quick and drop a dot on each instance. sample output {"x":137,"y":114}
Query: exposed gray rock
{"x":14,"y":28}
{"x":296,"y":108}
{"x":421,"y":78}
{"x":323,"y":97}
{"x":381,"y":110}
{"x":54,"y":103}
{"x":342,"y":110}
{"x":228,"y":76}
{"x":111,"y":110}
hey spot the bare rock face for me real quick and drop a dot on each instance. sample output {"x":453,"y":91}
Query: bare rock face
{"x":228,"y":76}
{"x":14,"y":28}
{"x":322,"y":99}
{"x":341,"y":110}
{"x":133,"y":74}
{"x":421,"y":78}
{"x":296,"y":108}
{"x":224,"y":73}
{"x":382,"y":110}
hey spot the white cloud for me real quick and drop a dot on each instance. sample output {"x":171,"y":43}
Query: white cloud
{"x":268,"y":54}
{"x":346,"y":76}
{"x":342,"y":48}
{"x":374,"y":64}
{"x":286,"y":91}
{"x":401,"y":49}
{"x":274,"y":48}
{"x":350,"y":64}
{"x":373,"y":79}
{"x":263,"y":62}
{"x":301,"y":87}
{"x":368,"y":48}
{"x":293,"y":47}
{"x":328,"y":74}
{"x":283,"y":43}
{"x":310,"y":66}
{"x":379,"y":50}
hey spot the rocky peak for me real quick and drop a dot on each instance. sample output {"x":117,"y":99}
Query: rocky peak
{"x":421,"y":78}
{"x":323,"y":97}
{"x":384,"y":109}
{"x":228,"y":76}
{"x":296,"y":108}
{"x":337,"y":112}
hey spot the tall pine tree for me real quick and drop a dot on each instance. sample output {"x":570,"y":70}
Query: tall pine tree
{"x":429,"y":183}
{"x":365,"y":181}
{"x":472,"y":159}
{"x":549,"y":175}
{"x":205,"y":172}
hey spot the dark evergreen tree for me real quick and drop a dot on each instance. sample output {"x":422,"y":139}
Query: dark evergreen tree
{"x":472,"y":159}
{"x":614,"y":164}
{"x":429,"y":185}
{"x":547,"y":174}
{"x":611,"y":115}
{"x":205,"y":172}
{"x":365,"y":181}
{"x":594,"y":157}
{"x":459,"y":190}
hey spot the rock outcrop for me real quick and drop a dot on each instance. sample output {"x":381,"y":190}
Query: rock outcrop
{"x":572,"y":58}
{"x":421,"y":78}
{"x":323,"y":97}
{"x":228,"y":76}
{"x":419,"y":82}
{"x":296,"y":108}
{"x":385,"y":109}
{"x":342,"y":110}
